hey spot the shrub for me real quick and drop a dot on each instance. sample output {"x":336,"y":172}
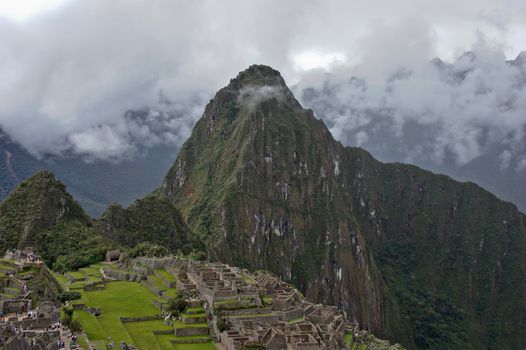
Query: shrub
{"x":199,"y":256}
{"x":75,"y":326}
{"x":222,"y":325}
{"x":177,"y":305}
{"x":68,"y":316}
{"x":68,"y":296}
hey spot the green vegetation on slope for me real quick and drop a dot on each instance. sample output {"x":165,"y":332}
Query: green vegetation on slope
{"x":153,"y":219}
{"x":417,"y":257}
{"x":40,"y":213}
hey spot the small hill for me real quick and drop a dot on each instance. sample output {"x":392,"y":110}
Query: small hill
{"x":152,"y":219}
{"x":40,"y":213}
{"x":37,"y":204}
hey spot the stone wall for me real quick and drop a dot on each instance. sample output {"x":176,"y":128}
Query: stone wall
{"x":122,"y":275}
{"x":16,"y":305}
{"x":139,"y":319}
{"x":251,"y":311}
{"x":188,"y":332}
{"x":190,"y":341}
{"x":269,"y":319}
{"x":37,"y":323}
{"x":290,"y":314}
{"x":190,"y":320}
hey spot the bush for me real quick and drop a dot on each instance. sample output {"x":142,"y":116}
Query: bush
{"x":199,"y":256}
{"x":68,"y":296}
{"x":68,"y":316}
{"x":149,"y":250}
{"x":75,"y":326}
{"x":177,"y":305}
{"x":222,"y":325}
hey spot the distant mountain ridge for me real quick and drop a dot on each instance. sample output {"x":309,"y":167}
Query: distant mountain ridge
{"x":417,"y":133}
{"x":418,"y":257}
{"x":95,"y":184}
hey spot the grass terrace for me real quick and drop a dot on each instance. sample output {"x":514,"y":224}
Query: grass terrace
{"x":132,"y":300}
{"x":166,"y":275}
{"x":156,"y":282}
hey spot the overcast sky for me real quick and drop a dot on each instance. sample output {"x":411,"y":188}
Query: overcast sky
{"x":70,"y":68}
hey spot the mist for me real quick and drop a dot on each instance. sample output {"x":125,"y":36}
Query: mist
{"x":70,"y":76}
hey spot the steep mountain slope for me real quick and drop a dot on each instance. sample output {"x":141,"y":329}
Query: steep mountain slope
{"x":417,"y":257}
{"x":424,"y":130}
{"x":36,"y":205}
{"x":151,"y":219}
{"x":41,"y":214}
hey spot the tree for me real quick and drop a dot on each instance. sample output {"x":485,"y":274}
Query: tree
{"x":177,"y":305}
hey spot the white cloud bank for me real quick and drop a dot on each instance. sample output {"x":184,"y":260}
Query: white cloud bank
{"x":69,"y":76}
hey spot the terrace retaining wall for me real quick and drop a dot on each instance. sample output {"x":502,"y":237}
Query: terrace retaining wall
{"x":191,"y":331}
{"x":139,"y":319}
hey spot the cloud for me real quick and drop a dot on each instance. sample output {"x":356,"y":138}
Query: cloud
{"x":425,"y":111}
{"x":251,"y":96}
{"x":69,"y":76}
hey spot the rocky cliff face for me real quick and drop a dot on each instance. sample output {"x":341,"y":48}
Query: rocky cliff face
{"x":417,"y":257}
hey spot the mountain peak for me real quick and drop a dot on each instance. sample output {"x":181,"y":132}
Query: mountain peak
{"x":257,"y":75}
{"x":35,"y":205}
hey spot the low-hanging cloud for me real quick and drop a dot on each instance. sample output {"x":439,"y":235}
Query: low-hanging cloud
{"x":70,"y":77}
{"x":431,"y":112}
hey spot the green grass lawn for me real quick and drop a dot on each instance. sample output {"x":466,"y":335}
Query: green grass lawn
{"x":91,"y":326}
{"x":165,"y":344}
{"x":166,"y":275}
{"x":171,"y":293}
{"x":125,"y":299}
{"x":61,"y":279}
{"x":203,"y":346}
{"x":297,"y":319}
{"x":142,"y":334}
{"x":267,"y":300}
{"x":193,"y":315}
{"x":77,"y":274}
{"x":164,"y":341}
{"x":119,"y":299}
{"x":92,"y":271}
{"x":180,"y":324}
{"x":348,"y":340}
{"x":156,"y":282}
{"x":226,"y":302}
{"x":197,"y":310}
{"x":248,"y":279}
